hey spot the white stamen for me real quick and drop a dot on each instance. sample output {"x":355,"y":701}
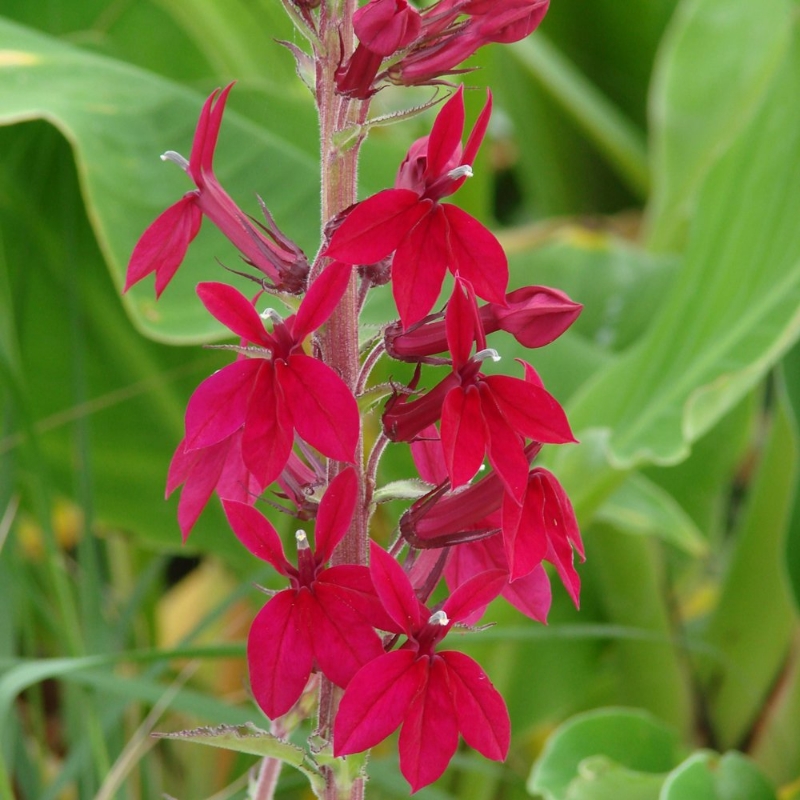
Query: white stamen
{"x":439,"y":618}
{"x":489,"y":352}
{"x":301,"y":539}
{"x":271,"y":314}
{"x":464,"y":171}
{"x":176,"y":158}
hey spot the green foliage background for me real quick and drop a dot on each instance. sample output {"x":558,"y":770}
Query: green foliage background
{"x":645,"y":158}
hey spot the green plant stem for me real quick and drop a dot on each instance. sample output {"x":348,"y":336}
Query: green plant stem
{"x":614,"y":135}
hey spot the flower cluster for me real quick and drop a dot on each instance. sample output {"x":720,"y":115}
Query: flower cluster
{"x":282,"y":419}
{"x":399,"y":44}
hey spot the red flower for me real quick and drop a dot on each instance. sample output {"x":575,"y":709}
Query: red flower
{"x":533,"y":315}
{"x":428,"y":237}
{"x":162,"y":247}
{"x":324,"y":618}
{"x":277,"y":389}
{"x":481,"y":414}
{"x":434,"y":695}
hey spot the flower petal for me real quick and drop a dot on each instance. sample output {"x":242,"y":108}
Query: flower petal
{"x":476,"y":254}
{"x":464,"y":434}
{"x":376,"y":226}
{"x":343,"y":641}
{"x":234,"y":311}
{"x":162,"y":247}
{"x":530,"y":410}
{"x":475,"y":593}
{"x":418,"y":267}
{"x":376,"y":701}
{"x":268,"y":434}
{"x":256,"y":533}
{"x":506,"y":447}
{"x":279,"y":652}
{"x":218,"y":406}
{"x":324,"y":410}
{"x":429,"y":737}
{"x":395,"y":591}
{"x":482,"y":713}
{"x":445,"y":138}
{"x":321,"y":298}
{"x":335,"y":513}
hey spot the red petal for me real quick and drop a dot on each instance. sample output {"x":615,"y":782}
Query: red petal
{"x":268,"y":433}
{"x":418,"y":267}
{"x":256,"y":533}
{"x":426,"y":450}
{"x":395,"y":591}
{"x":482,"y":713}
{"x":462,"y":324}
{"x":162,"y":247}
{"x":476,"y":593}
{"x":324,"y":410}
{"x":343,"y":641}
{"x":530,"y":410}
{"x":506,"y":451}
{"x":476,"y":254}
{"x":219,"y":404}
{"x":335,"y":513}
{"x":376,"y":701}
{"x":199,"y":471}
{"x":445,"y":138}
{"x":464,"y":435}
{"x":524,"y":537}
{"x":376,"y":226}
{"x":430,"y":731}
{"x":206,"y":133}
{"x":279,"y":652}
{"x":478,"y":132}
{"x":320,"y":300}
{"x":531,"y":594}
{"x":361,"y":596}
{"x":234,"y":311}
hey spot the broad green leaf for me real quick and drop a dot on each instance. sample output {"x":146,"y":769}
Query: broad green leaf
{"x":714,"y":65}
{"x":708,"y":776}
{"x":119,"y":119}
{"x":754,"y":622}
{"x":633,"y":739}
{"x":641,"y":507}
{"x":601,"y":778}
{"x":733,"y":309}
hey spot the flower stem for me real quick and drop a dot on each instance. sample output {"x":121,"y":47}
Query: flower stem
{"x":339,"y":339}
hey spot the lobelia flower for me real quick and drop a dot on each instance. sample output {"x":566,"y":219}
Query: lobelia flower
{"x":162,"y":247}
{"x":533,"y":315}
{"x":324,"y":619}
{"x":433,"y":694}
{"x":276,"y":389}
{"x":530,"y":593}
{"x":202,"y":471}
{"x":540,"y":527}
{"x":428,"y":237}
{"x":481,"y":415}
{"x":383,"y":27}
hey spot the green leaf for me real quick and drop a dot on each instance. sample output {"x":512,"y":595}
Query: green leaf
{"x":633,"y":739}
{"x":733,"y":309}
{"x":641,"y":507}
{"x":601,"y":778}
{"x":119,"y":119}
{"x":708,"y":776}
{"x":753,"y":624}
{"x":703,"y":95}
{"x":248,"y":738}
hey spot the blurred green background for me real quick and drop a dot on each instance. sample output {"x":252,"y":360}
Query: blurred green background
{"x":645,"y":158}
